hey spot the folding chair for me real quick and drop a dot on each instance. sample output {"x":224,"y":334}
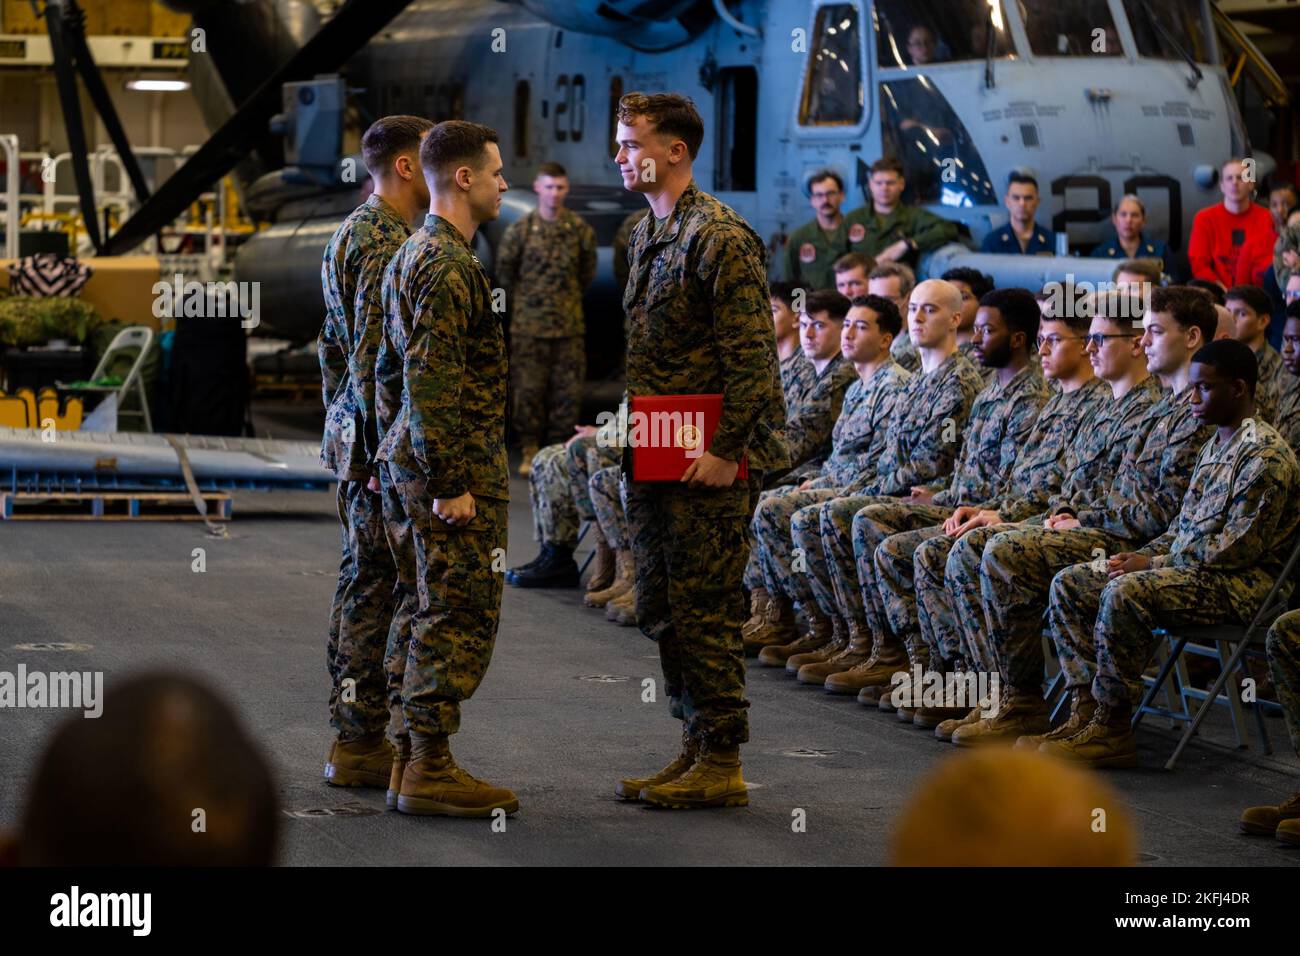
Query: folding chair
{"x":1220,"y":636}
{"x":132,"y":337}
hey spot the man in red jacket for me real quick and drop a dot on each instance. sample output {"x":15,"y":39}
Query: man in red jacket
{"x":1223,"y":233}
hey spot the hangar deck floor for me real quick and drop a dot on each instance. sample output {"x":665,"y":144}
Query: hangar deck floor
{"x":253,"y":625}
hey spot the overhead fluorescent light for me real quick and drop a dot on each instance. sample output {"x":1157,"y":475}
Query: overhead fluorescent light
{"x":158,"y":86}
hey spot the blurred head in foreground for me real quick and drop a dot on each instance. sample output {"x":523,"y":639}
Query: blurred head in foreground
{"x":166,"y":777}
{"x":1002,"y":807}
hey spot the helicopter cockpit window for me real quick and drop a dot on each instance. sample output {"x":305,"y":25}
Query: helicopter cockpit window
{"x":1081,"y":28}
{"x":939,"y":159}
{"x":913,"y":33}
{"x":1162,"y":27}
{"x":832,"y":92}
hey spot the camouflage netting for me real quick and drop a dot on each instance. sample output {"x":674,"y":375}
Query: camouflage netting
{"x":25,"y":320}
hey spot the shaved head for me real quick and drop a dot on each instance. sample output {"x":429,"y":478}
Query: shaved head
{"x":944,"y":293}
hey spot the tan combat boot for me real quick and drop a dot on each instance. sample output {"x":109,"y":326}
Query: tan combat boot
{"x":779,"y":626}
{"x":758,"y":602}
{"x":887,"y":656}
{"x":1082,"y":707}
{"x":855,"y":652}
{"x":945,"y":728}
{"x":838,"y":641}
{"x":401,"y":757}
{"x":363,"y":762}
{"x":629,"y":788}
{"x":714,"y":780}
{"x":602,"y":566}
{"x":622,"y":609}
{"x":1017,"y":715}
{"x":1288,"y":831}
{"x":1264,"y":821}
{"x":1107,"y":741}
{"x":526,"y":460}
{"x":624,"y":579}
{"x":433,"y":785}
{"x":813,"y":638}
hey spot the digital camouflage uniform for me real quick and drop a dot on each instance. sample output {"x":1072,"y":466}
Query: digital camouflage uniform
{"x":1216,"y":563}
{"x":871,"y":233}
{"x":907,"y":355}
{"x":856,"y":444}
{"x":948,"y":591}
{"x":619,"y":248}
{"x":444,"y":354}
{"x":1001,"y":423}
{"x":1018,"y":564}
{"x":1287,"y":421}
{"x":1283,"y":650}
{"x":921,"y":445}
{"x":809,"y":253}
{"x":606,"y":489}
{"x":557,"y":488}
{"x":1034,"y":476}
{"x":362,"y":612}
{"x":809,"y":423}
{"x":1273,"y":380}
{"x":544,"y":268}
{"x":701,"y":323}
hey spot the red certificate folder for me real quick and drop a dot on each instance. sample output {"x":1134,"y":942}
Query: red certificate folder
{"x":668,"y":432}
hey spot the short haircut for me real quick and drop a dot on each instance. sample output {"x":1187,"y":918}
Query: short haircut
{"x":1254,"y":297}
{"x":890,"y":270}
{"x":455,"y":143}
{"x":1287,"y":188}
{"x":887,"y":164}
{"x":1148,"y":269}
{"x":671,"y":114}
{"x":821,"y":174}
{"x":980,"y":284}
{"x":1189,"y":309}
{"x":888,"y":318}
{"x":828,"y":301}
{"x":389,"y":137}
{"x":782,"y":292}
{"x":552,"y":169}
{"x":1076,"y":320}
{"x":1293,"y":310}
{"x":104,"y":793}
{"x":1018,"y":308}
{"x":1133,"y":198}
{"x":1233,"y":359}
{"x":854,"y":260}
{"x":1214,"y":290}
{"x":1020,"y":176}
{"x":1122,"y":307}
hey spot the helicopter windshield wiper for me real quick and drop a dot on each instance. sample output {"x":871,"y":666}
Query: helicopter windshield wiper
{"x":1172,"y":40}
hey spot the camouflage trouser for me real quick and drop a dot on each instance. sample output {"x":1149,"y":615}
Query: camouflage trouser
{"x":780,"y":569}
{"x":1015,"y":573}
{"x":886,"y":579}
{"x":406,"y":599}
{"x":558,"y":488}
{"x":459,"y":581}
{"x":363,"y":602}
{"x":1107,"y":623}
{"x":834,"y":580}
{"x":546,"y":377}
{"x":690,"y":550}
{"x":949,"y":606}
{"x":1283,"y":650}
{"x":606,"y":491}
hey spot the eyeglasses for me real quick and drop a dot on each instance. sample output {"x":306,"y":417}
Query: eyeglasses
{"x":1098,"y":339}
{"x":1054,"y":340}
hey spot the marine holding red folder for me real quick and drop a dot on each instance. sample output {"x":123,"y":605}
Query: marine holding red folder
{"x":700,"y":326}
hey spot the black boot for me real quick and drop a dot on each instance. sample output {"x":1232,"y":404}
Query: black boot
{"x":554,"y":568}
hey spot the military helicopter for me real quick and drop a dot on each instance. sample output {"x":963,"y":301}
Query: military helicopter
{"x":1098,"y":97}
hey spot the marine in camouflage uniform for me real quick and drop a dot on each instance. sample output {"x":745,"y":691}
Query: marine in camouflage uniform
{"x":907,"y":355}
{"x":363,"y":609}
{"x":1034,"y":475}
{"x":558,"y":487}
{"x":544,"y":268}
{"x":810,"y":422}
{"x":1283,"y":650}
{"x":809,"y":253}
{"x":701,"y":323}
{"x":444,"y":354}
{"x":1017,"y":565}
{"x":950,"y":603}
{"x":1216,"y":562}
{"x":606,"y":493}
{"x":857,"y":442}
{"x":921,"y":446}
